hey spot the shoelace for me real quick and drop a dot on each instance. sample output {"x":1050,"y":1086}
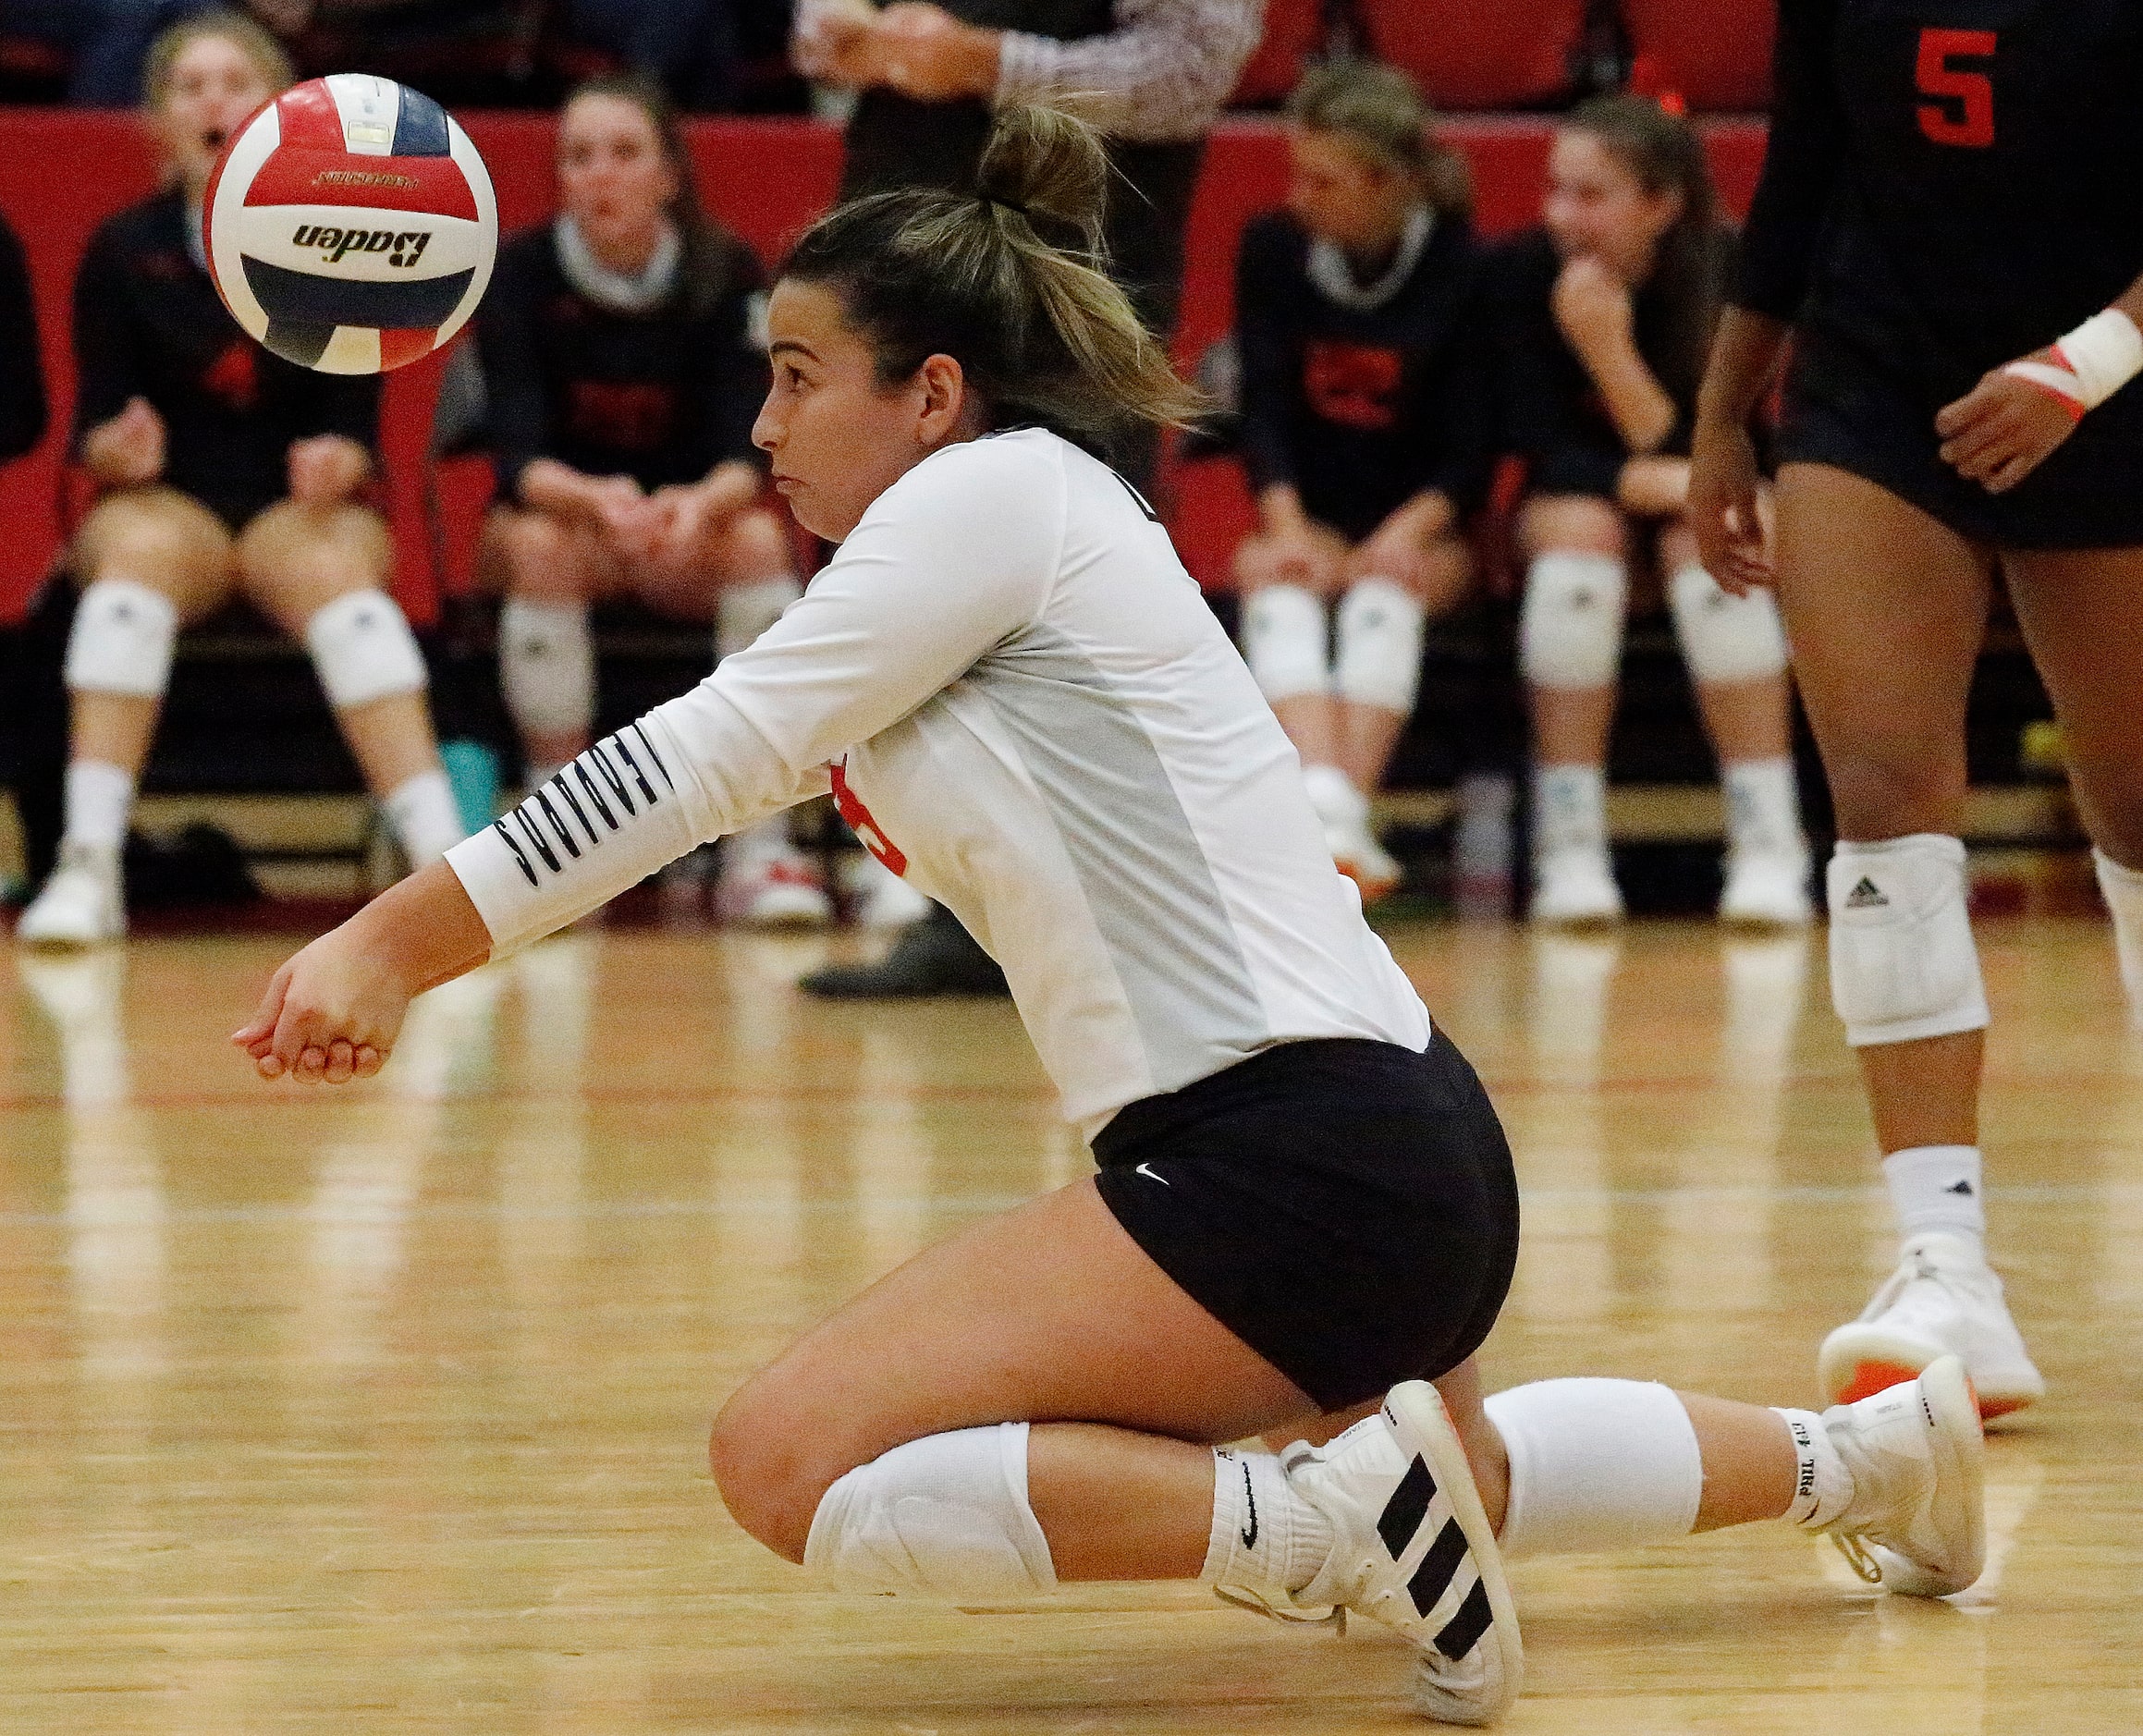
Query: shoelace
{"x":1335,"y":1618}
{"x":1858,"y":1557}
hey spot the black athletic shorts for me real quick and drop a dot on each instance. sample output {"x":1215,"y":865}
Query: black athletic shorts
{"x":1843,"y":411}
{"x":1346,"y":1208}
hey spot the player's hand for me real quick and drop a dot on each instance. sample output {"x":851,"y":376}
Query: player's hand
{"x":836,"y":42}
{"x":127,"y":451}
{"x":327,"y":470}
{"x":1398,"y":549}
{"x":1723,"y":508}
{"x":1311,"y":556}
{"x":331,"y":1014}
{"x":2003,"y":429}
{"x":930,"y":55}
{"x":1593,"y":309}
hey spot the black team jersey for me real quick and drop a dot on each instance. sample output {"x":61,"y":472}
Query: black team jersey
{"x":661,"y":397}
{"x":1362,"y":409}
{"x":148,"y":323}
{"x":21,"y":368}
{"x":1949,"y":185}
{"x":1554,"y":417}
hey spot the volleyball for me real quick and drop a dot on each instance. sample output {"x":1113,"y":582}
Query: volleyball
{"x":350,"y":226}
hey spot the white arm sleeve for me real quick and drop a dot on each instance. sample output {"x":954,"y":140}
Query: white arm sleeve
{"x":955,"y":556}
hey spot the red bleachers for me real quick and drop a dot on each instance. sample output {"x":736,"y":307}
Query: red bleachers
{"x":62,"y":171}
{"x":1478,"y":54}
{"x":1718,"y":55}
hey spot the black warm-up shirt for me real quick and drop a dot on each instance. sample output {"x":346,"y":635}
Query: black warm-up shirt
{"x":148,"y":323}
{"x":1554,"y":417}
{"x":661,"y":397}
{"x":1361,"y":409}
{"x":22,"y":369}
{"x":1950,"y":184}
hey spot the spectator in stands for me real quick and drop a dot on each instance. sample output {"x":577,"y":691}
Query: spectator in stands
{"x":1368,"y":428}
{"x":106,"y":40}
{"x":929,"y":75}
{"x":1607,"y":311}
{"x":624,"y":364}
{"x":21,"y":367}
{"x":220,"y":470}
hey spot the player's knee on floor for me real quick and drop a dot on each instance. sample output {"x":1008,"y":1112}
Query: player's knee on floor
{"x":1903,"y":963}
{"x":121,"y":640}
{"x":1286,"y":641}
{"x":1725,"y":638}
{"x":361,"y":647}
{"x":770,"y":1465}
{"x":1570,"y":629}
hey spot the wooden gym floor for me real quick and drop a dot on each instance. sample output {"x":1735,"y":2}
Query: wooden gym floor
{"x":384,"y":1412}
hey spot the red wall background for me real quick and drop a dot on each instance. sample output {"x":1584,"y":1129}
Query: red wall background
{"x":62,"y":172}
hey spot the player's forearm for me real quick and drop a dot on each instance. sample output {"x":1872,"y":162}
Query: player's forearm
{"x":423,"y":930}
{"x":1743,"y":357}
{"x":1636,"y":403}
{"x":547,"y":485}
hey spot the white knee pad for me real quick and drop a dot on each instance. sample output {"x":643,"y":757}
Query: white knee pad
{"x":121,"y":640}
{"x":546,"y":666}
{"x":1570,"y":629}
{"x":363,"y":650}
{"x":743,"y":612}
{"x":1286,"y":642}
{"x":1725,"y":638}
{"x":1903,"y":965}
{"x":1595,"y":1464}
{"x":2123,"y":889}
{"x":1377,"y":658}
{"x":945,"y":1517}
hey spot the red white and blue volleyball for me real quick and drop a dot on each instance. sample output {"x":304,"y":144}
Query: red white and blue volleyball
{"x":350,"y":225}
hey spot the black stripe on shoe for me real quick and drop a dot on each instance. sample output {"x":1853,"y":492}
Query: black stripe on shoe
{"x":1434,"y":1576}
{"x":1406,"y":1508}
{"x":1463,"y":1631}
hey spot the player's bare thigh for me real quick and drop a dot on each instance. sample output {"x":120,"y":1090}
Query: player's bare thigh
{"x":294,"y":559}
{"x":2082,"y":615}
{"x":161,"y":538}
{"x":546,"y":557}
{"x":1259,"y":561}
{"x":1886,"y":609}
{"x":1050,"y":1313}
{"x":750,"y":546}
{"x":1577,"y":524}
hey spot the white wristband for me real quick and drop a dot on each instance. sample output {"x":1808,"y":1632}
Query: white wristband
{"x":2091,"y":363}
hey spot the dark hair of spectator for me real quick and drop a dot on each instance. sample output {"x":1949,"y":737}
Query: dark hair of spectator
{"x":704,"y":267}
{"x":1381,"y":115}
{"x":1040,"y":332}
{"x":235,"y":28}
{"x":1665,"y":154}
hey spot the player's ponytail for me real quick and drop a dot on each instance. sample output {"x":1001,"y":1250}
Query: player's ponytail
{"x":1010,"y":280}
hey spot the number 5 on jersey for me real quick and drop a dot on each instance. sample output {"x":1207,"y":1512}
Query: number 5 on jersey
{"x":1963,"y":111}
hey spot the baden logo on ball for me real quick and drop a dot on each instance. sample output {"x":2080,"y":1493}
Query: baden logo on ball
{"x":350,"y":226}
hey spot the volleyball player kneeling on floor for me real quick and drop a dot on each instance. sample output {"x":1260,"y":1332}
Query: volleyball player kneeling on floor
{"x":622,"y":364}
{"x":1305,"y":1213}
{"x":1609,"y":308}
{"x":1367,"y":429}
{"x":220,"y":469}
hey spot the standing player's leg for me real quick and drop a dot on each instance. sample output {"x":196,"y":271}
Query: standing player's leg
{"x":1570,"y":647}
{"x":1736,"y":653}
{"x":2082,"y":615}
{"x":321,"y":573}
{"x":1887,"y":608}
{"x":147,"y":560}
{"x":1058,"y":1414}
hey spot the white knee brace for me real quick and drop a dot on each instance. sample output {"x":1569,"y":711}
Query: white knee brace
{"x":1903,"y":965}
{"x":743,"y":612}
{"x":363,"y":650}
{"x":1595,"y":1464}
{"x":1378,"y":660}
{"x":121,"y":640}
{"x":1286,"y":642}
{"x":546,"y":666}
{"x":2123,"y":889}
{"x":1570,"y":629}
{"x":946,"y":1516}
{"x":1725,"y":638}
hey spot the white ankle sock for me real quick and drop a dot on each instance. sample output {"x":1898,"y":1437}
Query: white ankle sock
{"x":1569,"y":808}
{"x":1763,"y":806}
{"x":2124,"y":892}
{"x":1938,"y":1188}
{"x":99,"y":798}
{"x":422,"y":811}
{"x":1823,"y":1486}
{"x":1266,"y":1537}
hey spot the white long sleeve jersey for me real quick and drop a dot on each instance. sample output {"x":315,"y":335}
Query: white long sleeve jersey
{"x":1021,"y":704}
